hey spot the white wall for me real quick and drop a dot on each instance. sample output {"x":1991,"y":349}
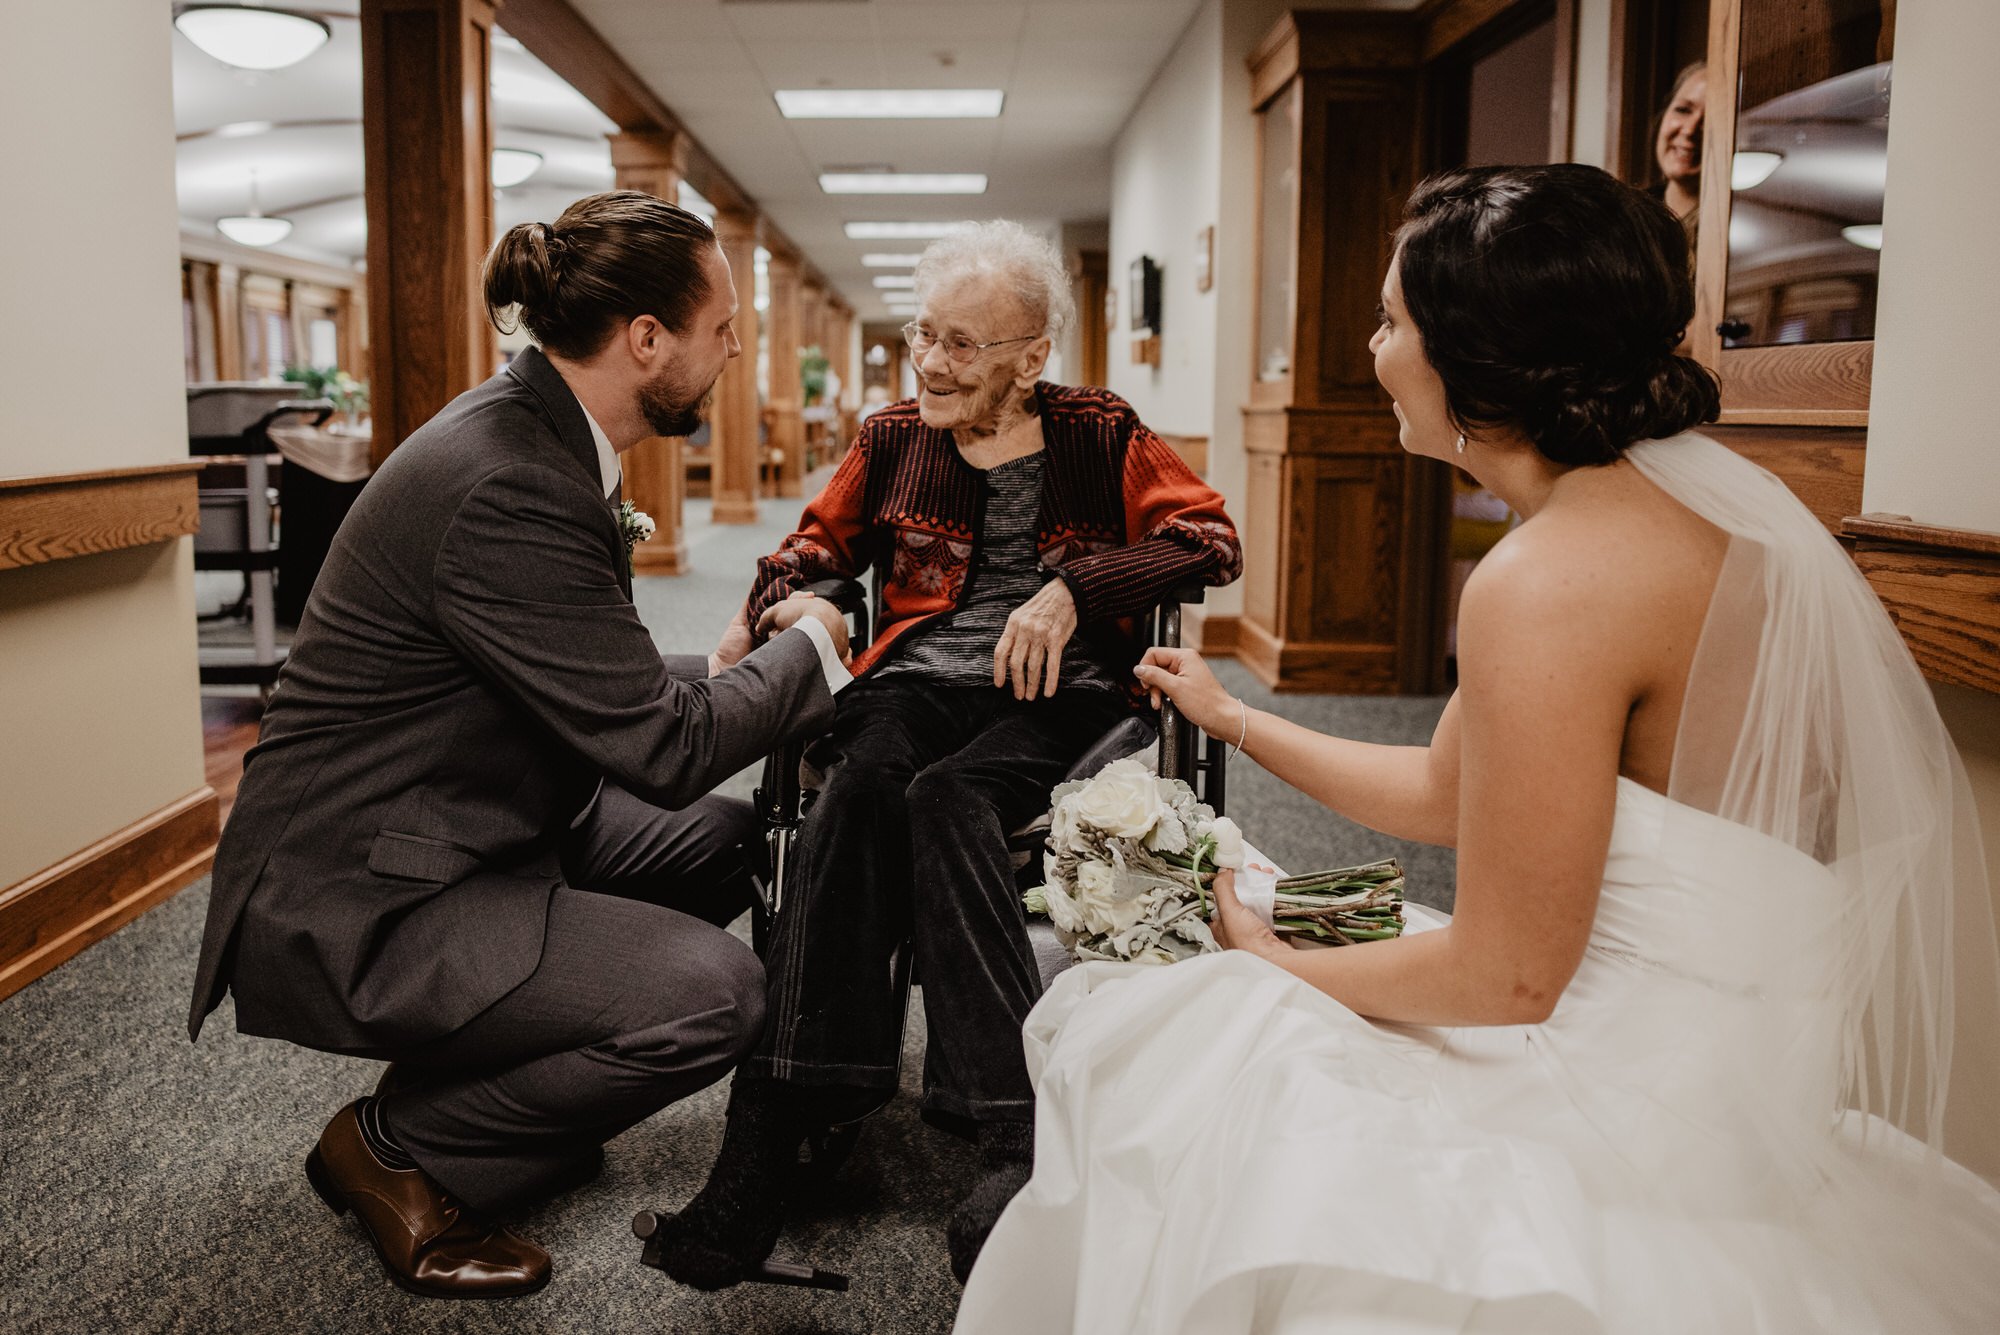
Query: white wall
{"x":99,"y":715}
{"x":1931,"y":452}
{"x":1164,"y":180}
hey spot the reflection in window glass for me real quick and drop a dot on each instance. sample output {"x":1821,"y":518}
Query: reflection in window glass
{"x":1812,"y":140}
{"x":1279,"y":189}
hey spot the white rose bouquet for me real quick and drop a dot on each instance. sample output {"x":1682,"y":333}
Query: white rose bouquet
{"x":1130,"y":857}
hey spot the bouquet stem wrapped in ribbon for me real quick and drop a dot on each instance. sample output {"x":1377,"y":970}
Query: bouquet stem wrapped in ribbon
{"x":1131,"y":858}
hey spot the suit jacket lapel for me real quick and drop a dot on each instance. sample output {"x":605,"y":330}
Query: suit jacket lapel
{"x":559,"y":403}
{"x":532,"y":369}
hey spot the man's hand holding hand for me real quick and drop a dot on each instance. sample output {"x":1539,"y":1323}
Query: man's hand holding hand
{"x":783,"y":616}
{"x":1031,"y":648}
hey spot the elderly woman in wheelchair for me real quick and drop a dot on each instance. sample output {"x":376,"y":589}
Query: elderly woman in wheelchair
{"x":1019,"y":530}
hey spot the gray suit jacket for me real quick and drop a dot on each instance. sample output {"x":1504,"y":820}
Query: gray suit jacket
{"x":468,"y":667}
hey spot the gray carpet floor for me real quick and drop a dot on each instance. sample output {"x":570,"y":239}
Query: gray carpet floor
{"x":149,"y":1185}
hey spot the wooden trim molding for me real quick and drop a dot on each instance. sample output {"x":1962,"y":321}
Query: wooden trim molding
{"x":50,"y":517}
{"x":55,"y":913}
{"x":1214,"y":634}
{"x":1941,"y":587}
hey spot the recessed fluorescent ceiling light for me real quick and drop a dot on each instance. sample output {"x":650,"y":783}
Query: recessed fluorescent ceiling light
{"x":889,"y":103}
{"x":879,"y":261}
{"x":902,"y":231}
{"x":895,"y":280}
{"x":1866,"y":235}
{"x":1751,"y":168}
{"x":251,"y":38}
{"x":903,"y":183}
{"x":511,"y":166}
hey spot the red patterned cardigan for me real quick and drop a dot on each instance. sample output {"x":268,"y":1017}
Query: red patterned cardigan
{"x":1123,"y":520}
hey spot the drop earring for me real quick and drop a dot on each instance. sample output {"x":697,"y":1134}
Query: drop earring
{"x":1459,"y":445}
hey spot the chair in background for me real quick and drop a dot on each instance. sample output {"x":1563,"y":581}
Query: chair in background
{"x":228,"y":428}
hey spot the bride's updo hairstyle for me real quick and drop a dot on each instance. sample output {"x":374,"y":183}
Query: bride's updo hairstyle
{"x":607,"y":260}
{"x":1550,"y":301}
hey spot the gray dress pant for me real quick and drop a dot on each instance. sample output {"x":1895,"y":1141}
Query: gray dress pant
{"x":636,"y":1003}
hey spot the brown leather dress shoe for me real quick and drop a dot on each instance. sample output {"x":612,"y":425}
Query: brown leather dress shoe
{"x":426,"y":1241}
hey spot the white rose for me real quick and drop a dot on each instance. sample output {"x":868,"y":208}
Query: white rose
{"x":646,"y":524}
{"x":1228,"y":843}
{"x":1097,"y":899}
{"x":1061,"y":908}
{"x":1123,"y":800}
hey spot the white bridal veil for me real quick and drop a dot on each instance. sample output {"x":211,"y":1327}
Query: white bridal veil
{"x":1807,"y":720}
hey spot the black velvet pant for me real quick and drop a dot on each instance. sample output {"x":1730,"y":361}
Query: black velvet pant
{"x":907,"y":841}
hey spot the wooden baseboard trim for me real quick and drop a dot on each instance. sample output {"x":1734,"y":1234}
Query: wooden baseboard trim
{"x":1294,"y":667}
{"x":87,"y":896}
{"x":1212,"y":634}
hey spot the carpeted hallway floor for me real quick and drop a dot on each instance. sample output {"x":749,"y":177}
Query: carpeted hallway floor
{"x":149,"y":1185}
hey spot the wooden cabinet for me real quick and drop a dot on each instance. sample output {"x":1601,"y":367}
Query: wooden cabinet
{"x":1343,"y":531}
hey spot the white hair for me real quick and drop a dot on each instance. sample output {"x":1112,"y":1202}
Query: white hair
{"x":1024,"y":262}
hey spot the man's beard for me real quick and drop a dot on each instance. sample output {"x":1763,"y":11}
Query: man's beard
{"x":668,"y":410}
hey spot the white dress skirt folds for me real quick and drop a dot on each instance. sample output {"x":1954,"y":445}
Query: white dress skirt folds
{"x":1221,"y":1148}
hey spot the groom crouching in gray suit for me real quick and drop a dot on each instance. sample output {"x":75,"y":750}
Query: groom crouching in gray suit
{"x":476,"y":805}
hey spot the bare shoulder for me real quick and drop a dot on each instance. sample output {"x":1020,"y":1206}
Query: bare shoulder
{"x":1612,"y":562}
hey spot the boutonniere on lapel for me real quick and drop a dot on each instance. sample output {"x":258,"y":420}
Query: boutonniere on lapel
{"x":635,"y":526}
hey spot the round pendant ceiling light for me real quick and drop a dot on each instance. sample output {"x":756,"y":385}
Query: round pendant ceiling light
{"x":254,"y":229}
{"x":511,"y":166}
{"x":251,"y":37}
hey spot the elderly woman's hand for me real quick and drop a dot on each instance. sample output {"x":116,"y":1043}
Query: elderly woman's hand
{"x":1030,"y":650}
{"x":735,"y":643}
{"x":1237,"y":928}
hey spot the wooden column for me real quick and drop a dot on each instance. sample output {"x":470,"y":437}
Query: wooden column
{"x":655,"y":469}
{"x":788,"y":429}
{"x":733,"y":420}
{"x":428,"y":134}
{"x":1344,"y":532}
{"x":840,"y":330}
{"x":201,"y":288}
{"x":228,"y":304}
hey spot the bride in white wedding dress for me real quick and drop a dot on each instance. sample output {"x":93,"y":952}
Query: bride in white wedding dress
{"x":1678,"y":1062}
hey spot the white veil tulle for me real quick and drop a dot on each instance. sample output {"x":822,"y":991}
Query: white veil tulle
{"x":1807,"y":720}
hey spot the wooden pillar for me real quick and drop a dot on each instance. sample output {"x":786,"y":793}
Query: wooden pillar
{"x":228,"y":322}
{"x":1344,"y":533}
{"x":655,"y":469}
{"x":788,"y":429}
{"x":207,"y":335}
{"x":733,"y":420}
{"x":428,"y":134}
{"x":840,"y":334}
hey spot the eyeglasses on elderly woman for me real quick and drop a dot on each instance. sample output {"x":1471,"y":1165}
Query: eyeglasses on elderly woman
{"x":956,"y":346}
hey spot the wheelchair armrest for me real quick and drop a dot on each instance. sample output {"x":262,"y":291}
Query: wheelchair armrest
{"x":1128,"y":737}
{"x":1188,"y":591}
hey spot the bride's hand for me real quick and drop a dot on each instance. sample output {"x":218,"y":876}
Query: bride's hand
{"x":1237,"y":928}
{"x":1181,"y":676}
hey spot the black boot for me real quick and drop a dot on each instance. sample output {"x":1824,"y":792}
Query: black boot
{"x":732,"y":1224}
{"x":1006,"y":1158}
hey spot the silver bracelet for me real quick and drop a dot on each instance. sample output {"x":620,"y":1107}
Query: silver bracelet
{"x":1244,"y":734}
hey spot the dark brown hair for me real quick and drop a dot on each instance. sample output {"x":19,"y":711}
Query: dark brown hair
{"x":607,"y":260}
{"x":1550,"y":301}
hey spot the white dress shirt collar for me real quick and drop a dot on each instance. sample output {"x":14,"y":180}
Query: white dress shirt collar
{"x":607,"y":458}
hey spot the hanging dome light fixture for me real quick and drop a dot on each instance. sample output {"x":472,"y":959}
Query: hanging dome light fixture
{"x":251,"y":37}
{"x":511,"y":166}
{"x":253,"y":228}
